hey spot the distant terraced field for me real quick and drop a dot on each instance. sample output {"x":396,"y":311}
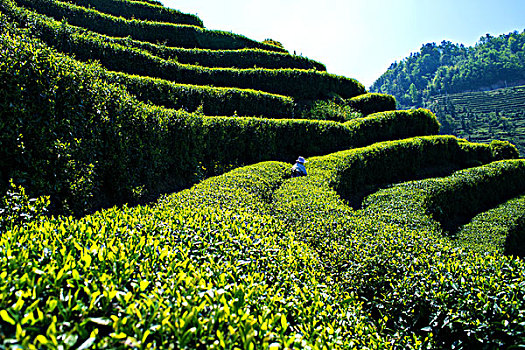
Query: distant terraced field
{"x":485,"y":115}
{"x":164,"y":150}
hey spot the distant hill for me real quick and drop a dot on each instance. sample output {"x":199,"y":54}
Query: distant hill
{"x":494,"y":62}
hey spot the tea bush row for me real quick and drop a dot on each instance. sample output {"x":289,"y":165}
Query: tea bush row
{"x":172,"y":34}
{"x":449,"y":202}
{"x":402,"y":124}
{"x":206,"y":99}
{"x":140,"y":10}
{"x":498,"y":230}
{"x":69,"y":134}
{"x":299,"y":84}
{"x":185,"y":274}
{"x":364,"y":170}
{"x":410,"y":279}
{"x":372,"y":103}
{"x":244,"y":58}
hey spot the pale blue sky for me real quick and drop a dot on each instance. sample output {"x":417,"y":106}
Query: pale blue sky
{"x":359,"y":38}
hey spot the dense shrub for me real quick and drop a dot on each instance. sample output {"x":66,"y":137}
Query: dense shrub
{"x":170,"y":34}
{"x":140,"y":10}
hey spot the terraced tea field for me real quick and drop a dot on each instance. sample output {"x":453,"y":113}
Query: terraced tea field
{"x":485,"y":115}
{"x":149,"y":201}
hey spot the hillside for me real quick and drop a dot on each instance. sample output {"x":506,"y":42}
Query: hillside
{"x":447,"y":68}
{"x":147,"y":200}
{"x":483,"y":116}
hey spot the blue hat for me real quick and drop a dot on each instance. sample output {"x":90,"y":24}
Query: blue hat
{"x":301,"y":160}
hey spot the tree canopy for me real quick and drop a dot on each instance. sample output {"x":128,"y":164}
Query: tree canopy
{"x":450,"y":68}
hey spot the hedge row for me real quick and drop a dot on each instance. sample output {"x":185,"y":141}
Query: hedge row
{"x":140,"y":10}
{"x":447,"y":203}
{"x":71,"y":135}
{"x":500,"y":230}
{"x":417,"y":288}
{"x":173,"y":275}
{"x":170,"y":34}
{"x":209,"y":100}
{"x":243,"y":58}
{"x":364,"y":170}
{"x":470,"y":192}
{"x":402,"y":124}
{"x":299,"y":84}
{"x":372,"y":103}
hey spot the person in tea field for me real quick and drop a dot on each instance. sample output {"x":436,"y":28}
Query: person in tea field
{"x":299,"y":169}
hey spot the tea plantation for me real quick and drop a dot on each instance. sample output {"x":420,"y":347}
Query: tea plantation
{"x":482,"y":116}
{"x":147,"y":200}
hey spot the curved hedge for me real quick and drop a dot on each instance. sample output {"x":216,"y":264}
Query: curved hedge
{"x":140,"y":10}
{"x":299,"y":84}
{"x":451,"y":201}
{"x":498,"y":230}
{"x":400,"y":124}
{"x":209,"y":100}
{"x":172,"y":34}
{"x":360,"y":171}
{"x":372,"y":103}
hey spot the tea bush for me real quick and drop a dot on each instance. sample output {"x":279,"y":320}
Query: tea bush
{"x":396,"y":259}
{"x":198,"y":276}
{"x":402,"y":124}
{"x":372,"y":103}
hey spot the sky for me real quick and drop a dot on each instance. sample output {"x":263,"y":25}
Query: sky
{"x":359,"y":38}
